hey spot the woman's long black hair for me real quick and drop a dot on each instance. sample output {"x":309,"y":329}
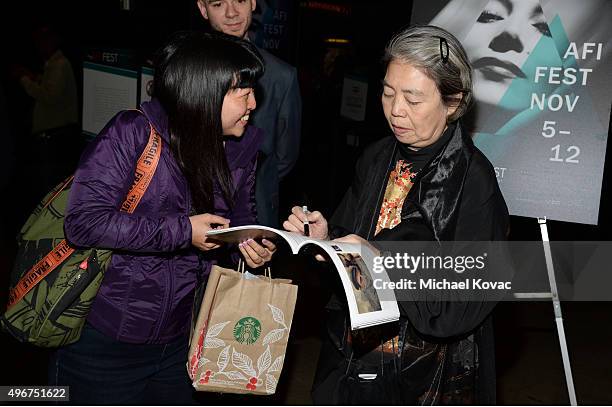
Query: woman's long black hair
{"x":193,"y":72}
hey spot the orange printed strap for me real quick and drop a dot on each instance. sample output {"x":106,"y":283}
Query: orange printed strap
{"x":66,"y":182}
{"x":40,"y":270}
{"x":145,"y":168}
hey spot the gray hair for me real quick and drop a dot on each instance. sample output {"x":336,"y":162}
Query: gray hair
{"x":439,"y":55}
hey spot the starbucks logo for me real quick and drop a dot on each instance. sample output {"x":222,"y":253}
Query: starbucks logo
{"x":247,"y":330}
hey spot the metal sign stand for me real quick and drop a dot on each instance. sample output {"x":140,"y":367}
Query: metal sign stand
{"x":554,"y":295}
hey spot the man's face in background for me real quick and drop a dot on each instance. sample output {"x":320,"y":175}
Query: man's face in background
{"x":231,"y":17}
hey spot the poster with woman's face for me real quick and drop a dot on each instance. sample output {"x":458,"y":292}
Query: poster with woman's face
{"x":499,"y":43}
{"x":542,"y":92}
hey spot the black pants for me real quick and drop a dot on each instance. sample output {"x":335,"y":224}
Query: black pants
{"x":101,"y":370}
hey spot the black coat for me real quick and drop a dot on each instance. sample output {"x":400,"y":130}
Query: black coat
{"x":455,"y":197}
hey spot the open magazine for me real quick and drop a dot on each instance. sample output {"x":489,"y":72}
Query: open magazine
{"x":365,"y":303}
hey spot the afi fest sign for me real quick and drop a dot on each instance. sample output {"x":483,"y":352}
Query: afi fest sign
{"x":542,"y":91}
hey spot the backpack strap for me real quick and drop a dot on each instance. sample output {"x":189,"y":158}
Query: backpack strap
{"x":145,"y":169}
{"x":58,"y":191}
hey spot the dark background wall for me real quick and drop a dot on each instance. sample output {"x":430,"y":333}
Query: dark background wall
{"x":101,"y":24}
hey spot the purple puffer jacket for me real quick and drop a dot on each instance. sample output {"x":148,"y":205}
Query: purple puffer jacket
{"x":148,"y":288}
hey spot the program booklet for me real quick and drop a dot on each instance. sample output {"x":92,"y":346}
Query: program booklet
{"x":365,"y":301}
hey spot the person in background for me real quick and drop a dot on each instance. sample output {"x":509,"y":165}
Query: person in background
{"x":279,"y":112}
{"x":428,"y":182}
{"x":134,"y":346}
{"x":55,"y":115}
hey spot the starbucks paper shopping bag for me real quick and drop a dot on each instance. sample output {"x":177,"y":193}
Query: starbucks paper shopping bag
{"x":240,"y":337}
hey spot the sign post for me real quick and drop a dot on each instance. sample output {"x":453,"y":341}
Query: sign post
{"x":554,"y":295}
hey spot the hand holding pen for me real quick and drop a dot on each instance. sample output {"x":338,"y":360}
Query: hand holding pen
{"x":307,"y":223}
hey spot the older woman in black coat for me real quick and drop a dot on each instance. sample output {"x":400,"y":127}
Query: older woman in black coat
{"x":427,"y":182}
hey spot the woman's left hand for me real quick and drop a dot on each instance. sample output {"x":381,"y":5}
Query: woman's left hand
{"x":355,"y":239}
{"x":256,"y":255}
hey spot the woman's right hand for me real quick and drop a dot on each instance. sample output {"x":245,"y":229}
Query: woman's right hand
{"x":200,"y":224}
{"x":316,"y":223}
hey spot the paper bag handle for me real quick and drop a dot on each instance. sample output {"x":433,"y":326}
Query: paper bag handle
{"x":242,"y":270}
{"x":268,"y":273}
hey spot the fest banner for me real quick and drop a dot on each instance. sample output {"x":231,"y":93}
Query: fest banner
{"x":272,"y":27}
{"x":542,"y":97}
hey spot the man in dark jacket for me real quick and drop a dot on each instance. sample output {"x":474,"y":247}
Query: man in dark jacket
{"x":279,"y":107}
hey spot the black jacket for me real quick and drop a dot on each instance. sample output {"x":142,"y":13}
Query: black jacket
{"x":436,"y":200}
{"x":455,"y":197}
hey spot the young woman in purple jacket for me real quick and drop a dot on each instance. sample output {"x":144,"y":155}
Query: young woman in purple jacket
{"x":134,"y":346}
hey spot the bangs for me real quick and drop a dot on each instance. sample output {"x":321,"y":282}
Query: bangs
{"x":247,"y":76}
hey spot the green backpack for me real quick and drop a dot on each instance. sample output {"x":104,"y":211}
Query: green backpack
{"x":53,"y":283}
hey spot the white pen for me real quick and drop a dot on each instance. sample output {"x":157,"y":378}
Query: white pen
{"x":306,"y":226}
